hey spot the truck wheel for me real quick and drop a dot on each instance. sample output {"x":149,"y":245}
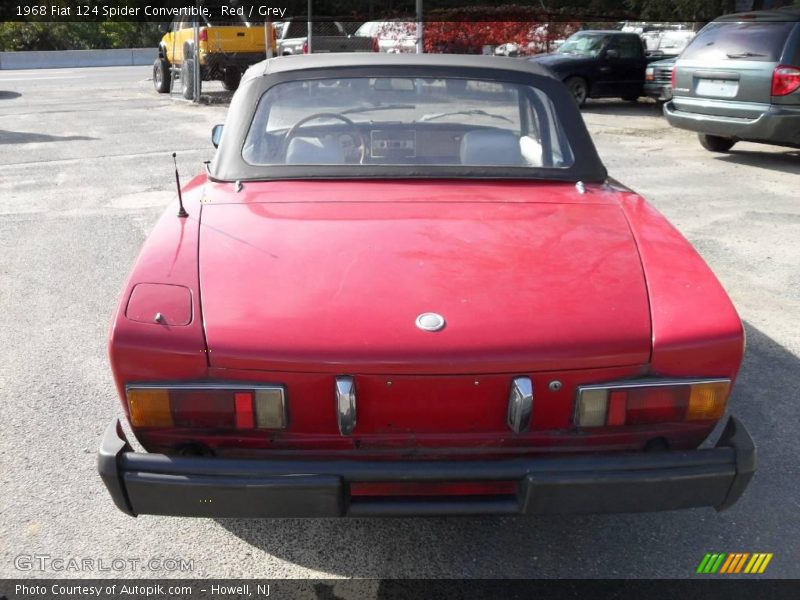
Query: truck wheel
{"x":715,"y":143}
{"x":187,"y":79}
{"x":578,"y":88}
{"x":161,"y":75}
{"x":231,"y":78}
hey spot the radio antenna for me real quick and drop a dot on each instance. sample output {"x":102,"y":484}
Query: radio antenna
{"x":181,"y":211}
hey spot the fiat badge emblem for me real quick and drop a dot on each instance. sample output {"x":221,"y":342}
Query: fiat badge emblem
{"x":430,"y":321}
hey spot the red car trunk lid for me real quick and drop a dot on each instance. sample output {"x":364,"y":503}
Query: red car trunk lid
{"x":331,"y":277}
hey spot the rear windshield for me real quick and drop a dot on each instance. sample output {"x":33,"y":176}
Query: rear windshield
{"x":584,"y":44}
{"x":406,"y":121}
{"x":739,"y":41}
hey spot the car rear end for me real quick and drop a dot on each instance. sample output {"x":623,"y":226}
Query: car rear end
{"x":739,"y":80}
{"x":570,"y":408}
{"x":233,"y":44}
{"x":658,"y":79}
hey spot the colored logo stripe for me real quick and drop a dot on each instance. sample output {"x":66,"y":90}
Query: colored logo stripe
{"x":758,"y":563}
{"x":710,"y":563}
{"x":734,"y":563}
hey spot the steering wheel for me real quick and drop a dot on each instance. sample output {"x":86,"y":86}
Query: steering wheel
{"x":294,"y":130}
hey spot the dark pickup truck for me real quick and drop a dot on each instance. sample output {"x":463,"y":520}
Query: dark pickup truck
{"x":599,"y":64}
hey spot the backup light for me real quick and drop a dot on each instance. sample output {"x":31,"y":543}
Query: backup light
{"x":225,"y":407}
{"x":647,"y":402}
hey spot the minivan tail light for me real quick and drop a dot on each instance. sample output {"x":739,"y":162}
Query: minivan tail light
{"x":224,"y":407}
{"x":785,"y":80}
{"x":648,"y":402}
{"x":203,"y":35}
{"x":672,"y":79}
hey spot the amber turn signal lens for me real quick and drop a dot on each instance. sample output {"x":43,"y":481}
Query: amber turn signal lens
{"x":707,"y":400}
{"x":149,"y":407}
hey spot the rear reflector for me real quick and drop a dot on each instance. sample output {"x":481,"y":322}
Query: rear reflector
{"x":244,"y":410}
{"x":434,"y":488}
{"x":648,"y":402}
{"x":207,"y":406}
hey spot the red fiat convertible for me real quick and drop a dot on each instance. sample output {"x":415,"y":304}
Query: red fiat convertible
{"x":406,"y":286}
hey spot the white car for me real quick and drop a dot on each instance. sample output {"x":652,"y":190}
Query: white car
{"x":393,"y":37}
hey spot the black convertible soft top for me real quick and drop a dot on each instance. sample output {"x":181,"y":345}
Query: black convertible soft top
{"x":228,"y":164}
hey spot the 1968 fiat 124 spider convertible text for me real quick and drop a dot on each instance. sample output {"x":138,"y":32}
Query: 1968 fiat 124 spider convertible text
{"x":406,"y":286}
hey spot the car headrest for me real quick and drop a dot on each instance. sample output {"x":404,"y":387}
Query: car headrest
{"x":314,"y":151}
{"x":497,"y":147}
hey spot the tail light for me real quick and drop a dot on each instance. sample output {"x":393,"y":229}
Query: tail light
{"x":648,"y":402}
{"x":649,"y":74}
{"x":785,"y":80}
{"x":672,"y":79}
{"x":376,"y":47}
{"x":305,"y":47}
{"x":207,"y":407}
{"x":203,"y":36}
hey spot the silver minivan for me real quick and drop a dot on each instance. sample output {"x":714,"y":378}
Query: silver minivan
{"x":739,"y":80}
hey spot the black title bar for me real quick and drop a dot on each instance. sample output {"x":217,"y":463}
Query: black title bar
{"x":159,"y":11}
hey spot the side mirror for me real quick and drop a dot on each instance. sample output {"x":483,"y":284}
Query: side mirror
{"x":216,"y":135}
{"x":612,"y":54}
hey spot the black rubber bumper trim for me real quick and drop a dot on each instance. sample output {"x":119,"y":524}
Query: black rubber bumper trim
{"x":593,"y":483}
{"x":112,"y":449}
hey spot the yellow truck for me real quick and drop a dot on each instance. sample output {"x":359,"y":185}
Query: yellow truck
{"x":224,"y":48}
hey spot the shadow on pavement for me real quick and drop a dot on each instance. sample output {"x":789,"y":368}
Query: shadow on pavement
{"x":216,"y":98}
{"x":668,"y":544}
{"x":20,"y":137}
{"x":8,"y":95}
{"x":645,"y":107}
{"x":786,"y":161}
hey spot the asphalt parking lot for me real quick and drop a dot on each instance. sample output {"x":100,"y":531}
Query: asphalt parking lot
{"x":85,"y":170}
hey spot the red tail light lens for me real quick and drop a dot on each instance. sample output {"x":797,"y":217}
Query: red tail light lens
{"x":785,"y":80}
{"x":207,"y":407}
{"x":202,"y":409}
{"x":305,"y":47}
{"x":672,"y":79}
{"x":648,"y":402}
{"x":203,"y":35}
{"x":656,"y":405}
{"x":376,"y":47}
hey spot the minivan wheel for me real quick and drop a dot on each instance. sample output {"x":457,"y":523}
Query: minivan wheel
{"x":715,"y":143}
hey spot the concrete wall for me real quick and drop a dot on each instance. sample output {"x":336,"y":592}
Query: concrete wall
{"x":77,"y":58}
